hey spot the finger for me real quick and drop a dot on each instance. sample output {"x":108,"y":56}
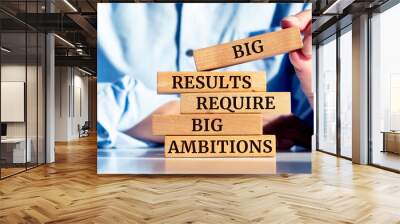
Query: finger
{"x":304,"y":18}
{"x":298,"y":60}
{"x":307,"y":46}
{"x":301,"y":20}
{"x":290,"y":21}
{"x":308,"y":30}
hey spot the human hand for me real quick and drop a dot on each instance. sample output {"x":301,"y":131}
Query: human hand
{"x":289,"y":131}
{"x":144,"y":131}
{"x":301,"y":59}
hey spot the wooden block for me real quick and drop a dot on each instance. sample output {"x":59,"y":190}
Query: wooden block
{"x":207,"y":124}
{"x":220,"y":146}
{"x":248,"y":49}
{"x":200,"y":82}
{"x":267,"y":102}
{"x":258,"y":165}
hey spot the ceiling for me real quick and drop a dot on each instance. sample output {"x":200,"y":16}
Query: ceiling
{"x":329,"y":16}
{"x":76,"y":22}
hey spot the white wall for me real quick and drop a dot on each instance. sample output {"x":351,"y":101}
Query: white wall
{"x":71,"y":102}
{"x":16,"y":73}
{"x":81,"y":100}
{"x":61,"y":103}
{"x":33,"y":126}
{"x":9,"y":73}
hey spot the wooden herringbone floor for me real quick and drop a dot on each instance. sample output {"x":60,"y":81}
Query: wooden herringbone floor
{"x":70,"y":191}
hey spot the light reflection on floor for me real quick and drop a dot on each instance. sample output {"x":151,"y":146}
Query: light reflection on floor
{"x":152,"y":161}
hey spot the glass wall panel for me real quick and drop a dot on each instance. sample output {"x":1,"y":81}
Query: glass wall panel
{"x":22,"y":88}
{"x":31,"y":97}
{"x":346,"y":94}
{"x":32,"y":86}
{"x":13,"y":114}
{"x":385,"y":88}
{"x":327,"y":96}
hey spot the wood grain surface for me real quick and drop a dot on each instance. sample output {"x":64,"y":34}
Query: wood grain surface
{"x":207,"y":124}
{"x":70,"y":191}
{"x":253,"y":165}
{"x":224,"y":55}
{"x":220,"y":146}
{"x":272,"y":103}
{"x":197,"y":82}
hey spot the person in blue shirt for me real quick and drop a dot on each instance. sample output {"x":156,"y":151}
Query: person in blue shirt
{"x":135,"y":41}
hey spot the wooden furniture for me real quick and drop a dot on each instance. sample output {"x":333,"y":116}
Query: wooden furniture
{"x":391,"y":141}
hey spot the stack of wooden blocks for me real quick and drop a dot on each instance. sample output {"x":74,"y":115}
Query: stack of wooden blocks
{"x":221,"y":113}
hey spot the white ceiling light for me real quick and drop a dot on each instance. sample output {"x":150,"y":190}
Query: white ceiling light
{"x":5,"y":50}
{"x":79,"y":51}
{"x":70,"y":5}
{"x":84,"y":71}
{"x":65,"y":41}
{"x":337,"y":7}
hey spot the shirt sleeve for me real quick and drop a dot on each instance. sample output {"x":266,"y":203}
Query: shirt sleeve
{"x":121,"y":106}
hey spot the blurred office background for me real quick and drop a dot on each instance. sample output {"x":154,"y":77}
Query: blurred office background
{"x":48,"y":79}
{"x":357,"y":79}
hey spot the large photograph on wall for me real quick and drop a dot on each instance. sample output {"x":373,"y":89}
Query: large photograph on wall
{"x":193,"y":88}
